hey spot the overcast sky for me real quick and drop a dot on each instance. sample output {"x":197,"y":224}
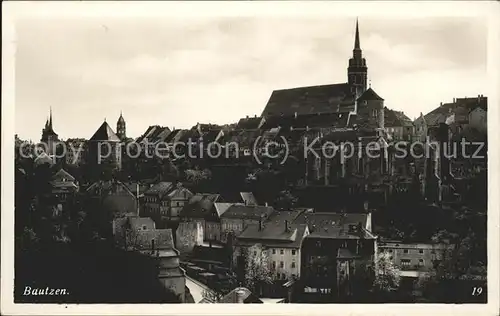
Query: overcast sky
{"x":179,"y":72}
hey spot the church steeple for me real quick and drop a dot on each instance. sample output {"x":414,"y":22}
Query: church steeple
{"x":121,"y":130}
{"x":50,"y":119}
{"x":357,"y":72}
{"x":356,"y":40}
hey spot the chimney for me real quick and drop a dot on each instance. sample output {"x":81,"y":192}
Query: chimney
{"x":295,"y":114}
{"x":260,"y":224}
{"x":255,"y":116}
{"x":247,"y":116}
{"x":266,"y":204}
{"x":366,"y":206}
{"x":287,"y":228}
{"x":454,"y":100}
{"x":441,"y":104}
{"x":240,"y":294}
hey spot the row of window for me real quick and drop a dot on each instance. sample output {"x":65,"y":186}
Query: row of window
{"x":407,"y":262}
{"x":282,"y":265}
{"x":282,"y":251}
{"x":406,"y":251}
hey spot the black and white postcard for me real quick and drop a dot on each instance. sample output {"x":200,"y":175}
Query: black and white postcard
{"x":188,"y":157}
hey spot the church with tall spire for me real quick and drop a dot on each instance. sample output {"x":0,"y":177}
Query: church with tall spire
{"x":49,"y":137}
{"x":330,"y":99}
{"x":357,"y":72}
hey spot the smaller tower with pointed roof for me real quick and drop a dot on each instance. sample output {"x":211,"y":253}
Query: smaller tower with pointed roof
{"x":49,"y":137}
{"x":121,"y":130}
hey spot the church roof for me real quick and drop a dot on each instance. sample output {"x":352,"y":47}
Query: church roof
{"x":331,"y":98}
{"x":105,"y":133}
{"x":370,"y":95}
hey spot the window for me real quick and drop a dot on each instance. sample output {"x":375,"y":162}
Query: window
{"x":281,"y":251}
{"x":420,"y":262}
{"x":421,"y":251}
{"x":406,"y":251}
{"x":255,"y":253}
{"x":144,"y":227}
{"x":274,"y":251}
{"x":390,"y":250}
{"x":293,"y":252}
{"x":293,"y":265}
{"x":274,"y":265}
{"x":282,"y":264}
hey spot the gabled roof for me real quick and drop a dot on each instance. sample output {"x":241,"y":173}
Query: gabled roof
{"x":200,"y":206}
{"x":396,"y":119}
{"x":62,"y":174}
{"x":160,"y":189}
{"x":370,"y":95}
{"x":247,"y":211}
{"x":154,"y":134}
{"x":248,"y":198}
{"x":179,"y":191}
{"x":222,"y":207}
{"x":330,"y":98}
{"x":105,"y":133}
{"x":211,"y":136}
{"x":162,"y":237}
{"x":104,"y":187}
{"x":317,"y":120}
{"x":250,"y":123}
{"x":335,"y":225}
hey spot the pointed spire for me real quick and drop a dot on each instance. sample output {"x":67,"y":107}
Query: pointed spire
{"x":50,"y":119}
{"x":356,"y":40}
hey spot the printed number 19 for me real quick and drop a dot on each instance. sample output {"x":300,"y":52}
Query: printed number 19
{"x":476,"y":291}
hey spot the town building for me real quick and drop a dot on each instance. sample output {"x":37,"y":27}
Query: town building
{"x":165,"y":200}
{"x":237,"y":217}
{"x":140,"y":235}
{"x":202,"y":208}
{"x":337,"y":245}
{"x":281,"y":238}
{"x":63,"y":185}
{"x":104,"y":152}
{"x":413,"y":259}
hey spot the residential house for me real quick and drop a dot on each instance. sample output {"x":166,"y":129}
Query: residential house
{"x":203,"y":208}
{"x":337,"y":244}
{"x":281,"y":238}
{"x":151,"y":139}
{"x":113,"y":197}
{"x":238,"y":216}
{"x":63,"y":185}
{"x":164,"y":201}
{"x":413,"y":259}
{"x":399,"y":126}
{"x":140,"y":235}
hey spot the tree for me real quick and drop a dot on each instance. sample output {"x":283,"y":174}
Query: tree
{"x":197,"y":176}
{"x":257,"y":270}
{"x":285,"y":200}
{"x":387,"y":275}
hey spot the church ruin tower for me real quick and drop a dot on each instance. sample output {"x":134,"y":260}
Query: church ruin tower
{"x":357,"y":72}
{"x":121,"y":130}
